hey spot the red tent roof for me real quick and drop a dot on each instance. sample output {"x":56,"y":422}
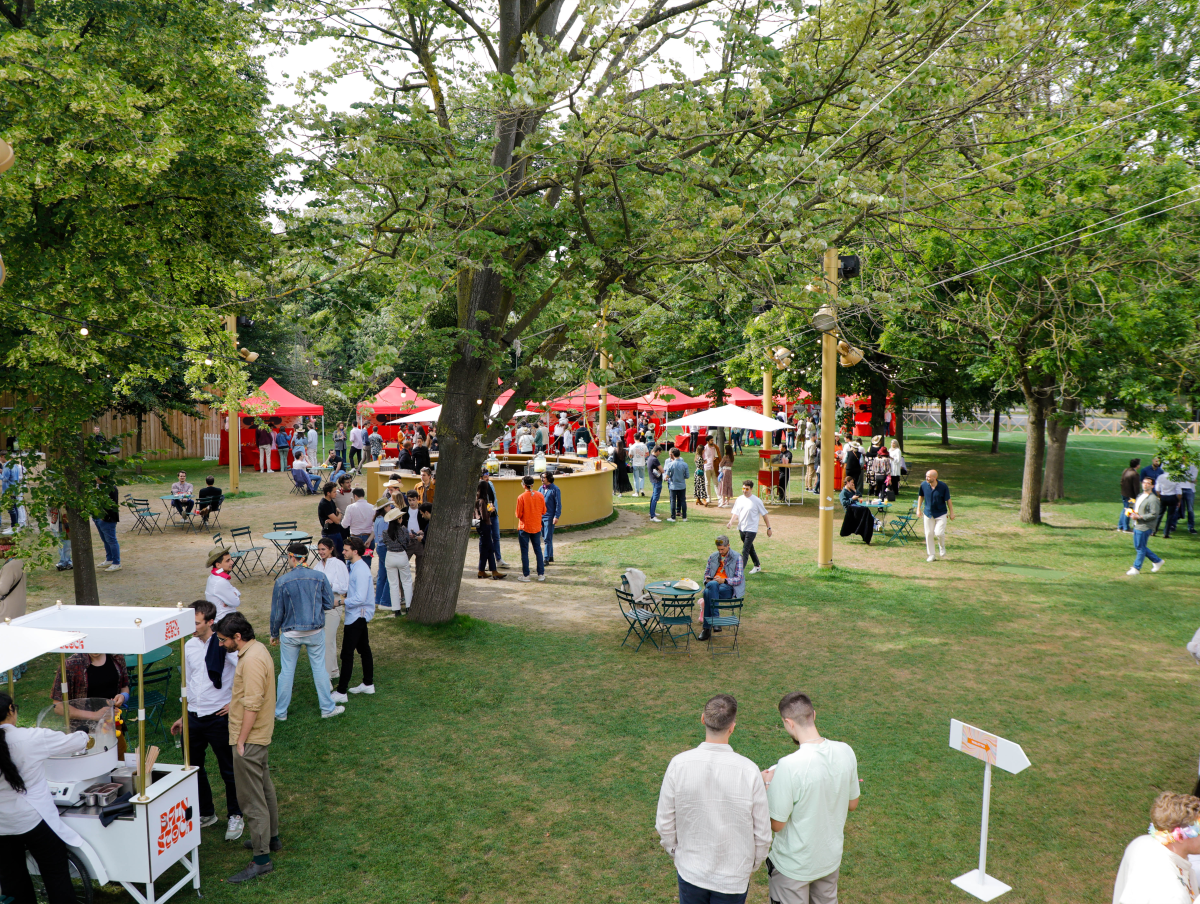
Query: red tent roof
{"x":737,"y":396}
{"x":583,"y":398}
{"x":287,"y":405}
{"x":397,"y":398}
{"x":659,"y":401}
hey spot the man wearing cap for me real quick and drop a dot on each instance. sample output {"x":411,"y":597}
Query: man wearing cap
{"x":219,"y":589}
{"x":299,"y":601}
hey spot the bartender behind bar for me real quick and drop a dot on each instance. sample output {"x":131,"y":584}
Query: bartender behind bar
{"x":94,"y":675}
{"x":29,"y":820}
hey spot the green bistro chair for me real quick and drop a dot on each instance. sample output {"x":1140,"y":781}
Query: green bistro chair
{"x":643,"y":623}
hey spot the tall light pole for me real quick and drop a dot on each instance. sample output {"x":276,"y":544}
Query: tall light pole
{"x":235,"y":422}
{"x":826,"y":321}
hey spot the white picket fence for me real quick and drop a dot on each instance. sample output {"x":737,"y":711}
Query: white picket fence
{"x":1018,"y":421}
{"x":212,"y":446}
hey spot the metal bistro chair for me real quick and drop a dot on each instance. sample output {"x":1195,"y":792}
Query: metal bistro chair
{"x":157,"y":684}
{"x":675,"y":618}
{"x":643,"y":623}
{"x":284,"y":525}
{"x":213,"y":518}
{"x":729,"y":623}
{"x":902,"y":528}
{"x":251,"y":555}
{"x":144,"y":518}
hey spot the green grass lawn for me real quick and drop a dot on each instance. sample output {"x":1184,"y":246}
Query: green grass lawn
{"x":502,"y":764}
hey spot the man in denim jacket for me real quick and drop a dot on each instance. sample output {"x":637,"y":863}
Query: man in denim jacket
{"x":298,"y":605}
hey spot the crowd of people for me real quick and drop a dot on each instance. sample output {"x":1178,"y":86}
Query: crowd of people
{"x":1156,"y":496}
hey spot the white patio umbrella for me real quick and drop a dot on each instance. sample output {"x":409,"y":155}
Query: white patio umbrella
{"x":421,"y":417}
{"x":730,"y":416}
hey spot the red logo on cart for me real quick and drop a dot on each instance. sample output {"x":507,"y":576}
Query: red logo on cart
{"x":172,"y":629}
{"x":174,"y":826}
{"x":73,"y":645}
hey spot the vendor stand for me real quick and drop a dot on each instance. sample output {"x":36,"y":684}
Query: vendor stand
{"x":161,"y":825}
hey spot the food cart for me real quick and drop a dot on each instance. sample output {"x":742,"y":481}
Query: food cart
{"x":163,"y":827}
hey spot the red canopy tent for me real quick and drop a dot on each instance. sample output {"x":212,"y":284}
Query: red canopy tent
{"x":393,"y":401}
{"x":583,"y":398}
{"x":738,"y":396}
{"x":666,"y":398}
{"x":259,"y":404}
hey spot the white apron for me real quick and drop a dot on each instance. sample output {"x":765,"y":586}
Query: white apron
{"x":30,"y":748}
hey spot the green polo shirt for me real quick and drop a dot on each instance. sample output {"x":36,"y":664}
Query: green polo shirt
{"x":810,"y":792}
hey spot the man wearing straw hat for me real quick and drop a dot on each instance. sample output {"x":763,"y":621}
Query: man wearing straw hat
{"x":219,"y":589}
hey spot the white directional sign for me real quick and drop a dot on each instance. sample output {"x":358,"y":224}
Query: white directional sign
{"x":994,"y":751}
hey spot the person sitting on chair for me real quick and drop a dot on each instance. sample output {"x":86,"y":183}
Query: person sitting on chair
{"x":300,"y":472}
{"x":723,"y":580}
{"x":858,"y":518}
{"x":208,"y":499}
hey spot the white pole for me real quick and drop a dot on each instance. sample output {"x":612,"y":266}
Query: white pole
{"x":987,"y":799}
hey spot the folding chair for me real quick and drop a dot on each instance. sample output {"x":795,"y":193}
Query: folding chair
{"x":300,"y":485}
{"x":675,"y":619}
{"x":144,"y":518}
{"x":214,"y":513}
{"x":249,"y":556}
{"x":643,"y":623}
{"x":157,"y":684}
{"x":284,"y":525}
{"x":729,"y":624}
{"x":902,"y":528}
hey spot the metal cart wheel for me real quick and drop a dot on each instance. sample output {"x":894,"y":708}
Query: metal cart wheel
{"x":80,"y":879}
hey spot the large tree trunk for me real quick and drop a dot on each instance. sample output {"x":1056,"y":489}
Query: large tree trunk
{"x":995,"y":432}
{"x":1039,"y":400}
{"x":879,"y":389}
{"x":84,"y":570}
{"x":945,"y":422}
{"x":1057,"y":430}
{"x":471,"y":377}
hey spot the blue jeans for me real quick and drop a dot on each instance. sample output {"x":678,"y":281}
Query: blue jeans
{"x":383,"y":593}
{"x":1123,"y":521}
{"x":289,"y":652}
{"x":655,"y":492}
{"x":736,"y":436}
{"x":1141,"y":539}
{"x":694,"y":894}
{"x":64,"y":554}
{"x":1189,"y":505}
{"x":527,"y":539}
{"x":548,"y":536}
{"x":714,"y":591}
{"x":108,"y":533}
{"x":496,"y":540}
{"x":639,"y":478}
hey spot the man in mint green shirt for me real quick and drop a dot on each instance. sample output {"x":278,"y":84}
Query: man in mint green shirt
{"x":809,"y":794}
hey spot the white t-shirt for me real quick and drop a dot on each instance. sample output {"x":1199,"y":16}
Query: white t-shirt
{"x":524,"y":443}
{"x":748,"y":509}
{"x":638,"y":453}
{"x":1151,"y":874}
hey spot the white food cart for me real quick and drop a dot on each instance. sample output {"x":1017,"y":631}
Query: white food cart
{"x":164,"y":828}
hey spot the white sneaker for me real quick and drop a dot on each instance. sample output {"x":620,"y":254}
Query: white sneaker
{"x":502,"y":564}
{"x":672,"y":520}
{"x":1156,"y":566}
{"x":234,"y":830}
{"x":1132,"y":572}
{"x":206,"y":821}
{"x":113,"y":568}
{"x":363,"y":689}
{"x":930,"y":559}
{"x":104,"y":564}
{"x":339,"y":698}
{"x":542,"y":577}
{"x":523,"y":578}
{"x":942,"y":553}
{"x":336,"y":673}
{"x":337,"y":711}
{"x":656,"y":520}
{"x":755,"y":570}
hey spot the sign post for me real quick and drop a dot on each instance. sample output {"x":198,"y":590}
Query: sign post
{"x":994,"y":751}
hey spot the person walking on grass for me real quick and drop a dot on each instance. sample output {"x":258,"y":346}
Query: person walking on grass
{"x":1130,"y":489}
{"x":700,"y":482}
{"x":531,"y":509}
{"x":360,"y":609}
{"x":1144,"y":515}
{"x":299,"y":602}
{"x":747,"y":512}
{"x":713,"y":817}
{"x":210,"y":677}
{"x":725,"y":478}
{"x":251,"y":726}
{"x":809,"y":793}
{"x":934,"y":505}
{"x":654,"y":471}
{"x":677,"y":477}
{"x":553,"y":497}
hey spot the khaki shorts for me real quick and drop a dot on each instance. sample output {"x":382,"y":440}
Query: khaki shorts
{"x":792,"y":891}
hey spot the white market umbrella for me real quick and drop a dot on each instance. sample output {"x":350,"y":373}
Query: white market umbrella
{"x":19,"y":644}
{"x":421,"y":417}
{"x":730,"y":416}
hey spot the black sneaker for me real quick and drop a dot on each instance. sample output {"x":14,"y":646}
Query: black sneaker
{"x":705,"y":634}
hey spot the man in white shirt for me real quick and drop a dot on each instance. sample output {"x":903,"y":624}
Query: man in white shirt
{"x":356,"y":445}
{"x":219,"y":589}
{"x":339,"y":578}
{"x":712,"y":813}
{"x":747,"y":511}
{"x":1168,"y":496}
{"x":210,"y":671}
{"x":359,"y":519}
{"x":1155,"y":867}
{"x":638,"y":453}
{"x":360,"y":609}
{"x":810,"y":793}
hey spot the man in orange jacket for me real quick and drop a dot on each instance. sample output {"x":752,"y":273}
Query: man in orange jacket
{"x":531,"y":507}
